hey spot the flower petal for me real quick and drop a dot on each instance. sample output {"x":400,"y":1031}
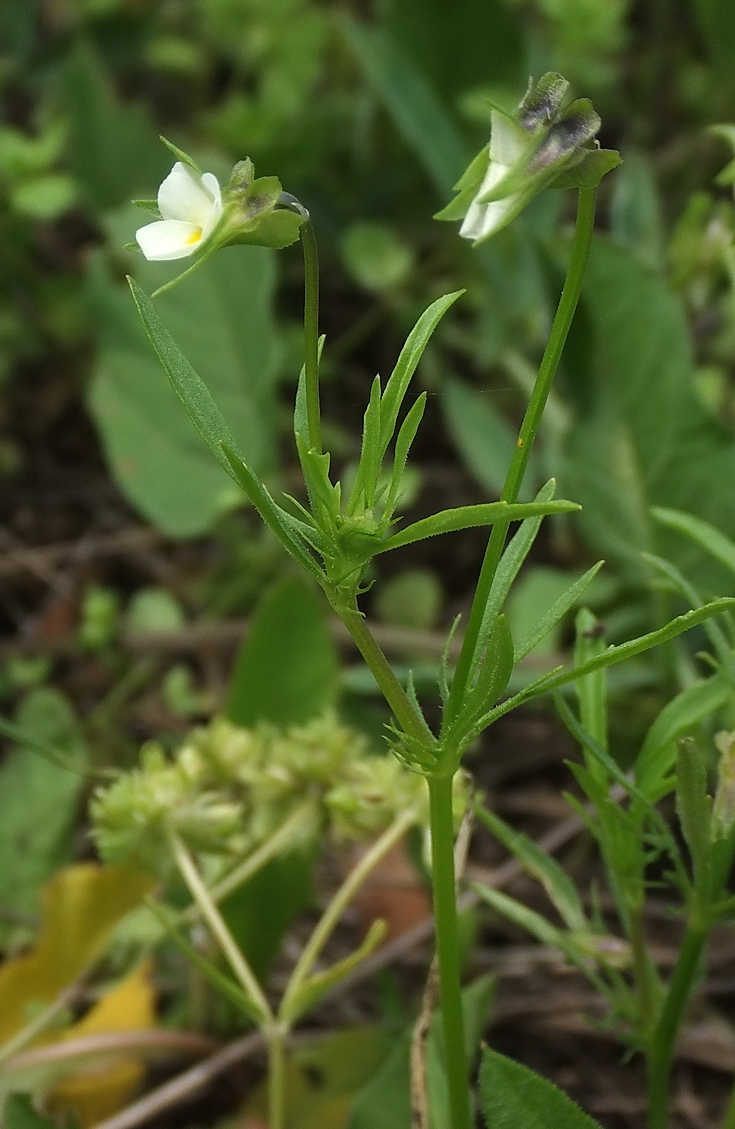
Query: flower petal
{"x":183,"y":196}
{"x":169,"y":239}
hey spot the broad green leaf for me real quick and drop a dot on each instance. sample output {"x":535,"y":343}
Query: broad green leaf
{"x":641,"y":437}
{"x":384,"y":1102}
{"x":469,"y":517}
{"x":717,"y":23}
{"x":460,"y":47}
{"x":222,"y":365}
{"x":552,"y":618}
{"x":719,"y":546}
{"x":636,"y":219}
{"x":39,"y":800}
{"x":410,"y":355}
{"x":113,"y":150}
{"x":418,"y":114}
{"x":560,"y":888}
{"x":514,"y":1097}
{"x":286,"y":671}
{"x":484,"y":438}
{"x":323,"y":1076}
{"x":679,"y":716}
{"x":261,"y":911}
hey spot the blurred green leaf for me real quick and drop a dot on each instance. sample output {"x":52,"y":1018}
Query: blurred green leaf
{"x":484,"y":438}
{"x":411,"y":599}
{"x":635,"y":211}
{"x":514,"y":1097}
{"x":113,"y":150}
{"x":286,"y":670}
{"x":418,"y":114}
{"x":260,"y":912}
{"x":641,"y":437}
{"x":44,"y":197}
{"x":19,"y":1113}
{"x":375,"y":256}
{"x":658,"y":753}
{"x":39,"y":800}
{"x":154,"y":610}
{"x":716,"y":20}
{"x":222,"y":320}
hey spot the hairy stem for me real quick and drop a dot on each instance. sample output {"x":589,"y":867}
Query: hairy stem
{"x":311,"y":334}
{"x":218,"y":926}
{"x":380,"y":668}
{"x":531,"y":420}
{"x":447,"y":949}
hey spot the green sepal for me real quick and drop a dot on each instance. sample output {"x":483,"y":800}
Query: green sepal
{"x":469,"y":517}
{"x":314,"y":988}
{"x":467,"y":187}
{"x":181,"y":155}
{"x":694,"y":806}
{"x":150,"y":206}
{"x":277,"y":230}
{"x":589,"y":171}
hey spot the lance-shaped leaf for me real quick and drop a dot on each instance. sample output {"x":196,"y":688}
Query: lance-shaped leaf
{"x":368,"y":468}
{"x":469,"y":517}
{"x":561,"y":890}
{"x":188,"y":385}
{"x":492,"y":678}
{"x":556,"y":612}
{"x":658,"y":754}
{"x":289,"y":530}
{"x":406,"y":436}
{"x":411,"y":354}
{"x":611,"y":656}
{"x":592,"y":688}
{"x":694,"y":805}
{"x":717,"y":637}
{"x":511,"y":561}
{"x":700,"y":532}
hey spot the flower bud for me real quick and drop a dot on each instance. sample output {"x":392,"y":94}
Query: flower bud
{"x":539,"y":144}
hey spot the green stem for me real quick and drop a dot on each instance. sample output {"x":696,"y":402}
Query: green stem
{"x":339,"y":902}
{"x":380,"y":668}
{"x":514,"y":478}
{"x":276,"y":1040}
{"x":218,"y":926}
{"x":663,"y":1041}
{"x":642,"y":971}
{"x":311,"y":334}
{"x":447,"y":949}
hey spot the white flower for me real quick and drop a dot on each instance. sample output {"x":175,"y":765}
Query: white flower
{"x":507,"y":146}
{"x":190,"y":206}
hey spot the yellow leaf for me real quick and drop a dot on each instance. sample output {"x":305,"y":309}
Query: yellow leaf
{"x":81,"y":906}
{"x":93,"y":1094}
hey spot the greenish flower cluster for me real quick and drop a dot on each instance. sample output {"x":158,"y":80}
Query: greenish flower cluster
{"x":228,"y":789}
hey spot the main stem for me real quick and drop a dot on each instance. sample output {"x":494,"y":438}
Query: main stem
{"x":663,"y":1042}
{"x":447,"y":949}
{"x":311,"y":334}
{"x":531,"y":420}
